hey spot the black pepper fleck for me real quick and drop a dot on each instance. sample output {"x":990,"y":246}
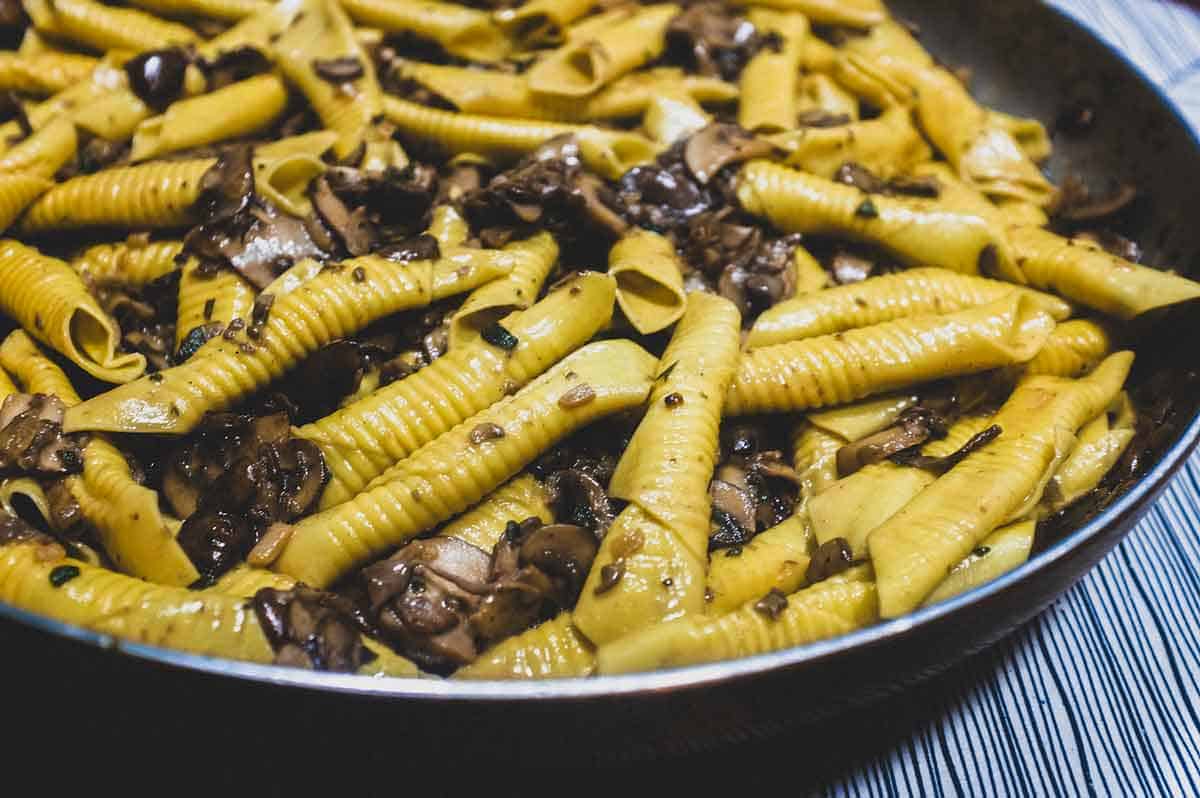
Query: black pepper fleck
{"x":673,"y":400}
{"x":867,"y":210}
{"x":63,"y":574}
{"x":496,"y":335}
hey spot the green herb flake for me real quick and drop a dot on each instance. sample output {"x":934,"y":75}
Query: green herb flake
{"x":497,"y":335}
{"x":63,"y":574}
{"x":867,"y":210}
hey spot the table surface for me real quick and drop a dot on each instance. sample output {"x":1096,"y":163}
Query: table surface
{"x":1100,"y":695}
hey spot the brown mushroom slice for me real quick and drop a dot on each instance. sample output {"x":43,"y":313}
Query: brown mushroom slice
{"x":735,"y":502}
{"x":31,"y":436}
{"x":720,"y":145}
{"x":1077,"y":204}
{"x":940,"y":465}
{"x":465,"y":565}
{"x":563,"y":551}
{"x":912,"y":429}
{"x":575,"y":495}
{"x":353,"y":227}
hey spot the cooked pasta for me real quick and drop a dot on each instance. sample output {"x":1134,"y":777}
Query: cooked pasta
{"x":537,"y":340}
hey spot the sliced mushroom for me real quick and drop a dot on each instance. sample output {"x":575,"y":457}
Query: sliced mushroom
{"x":849,"y":268}
{"x":712,"y":40}
{"x":1076,"y":203}
{"x":830,"y":558}
{"x":311,"y":629}
{"x":735,"y":502}
{"x":352,"y":227}
{"x":562,"y":551}
{"x":914,"y":427}
{"x":579,"y":498}
{"x":31,"y":436}
{"x":940,"y":465}
{"x":421,"y":247}
{"x":718,"y":146}
{"x":339,"y":70}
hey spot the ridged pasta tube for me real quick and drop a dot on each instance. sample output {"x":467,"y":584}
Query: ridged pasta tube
{"x":541,"y":22}
{"x":245,"y":580}
{"x":448,"y":227}
{"x":857,"y":420}
{"x":130,"y":609}
{"x":465,"y":32}
{"x":828,"y":609}
{"x":332,"y":305}
{"x":814,"y":456}
{"x":127,"y":263}
{"x":44,"y":152}
{"x":320,"y":32}
{"x":45,"y":73}
{"x":851,"y":13}
{"x":362,"y":440}
{"x":1002,"y":551}
{"x":17,"y":192}
{"x":914,"y":292}
{"x":853,"y":506}
{"x":476,"y":91}
{"x":1072,"y":350}
{"x":649,"y":280}
{"x":582,"y":66}
{"x":978,"y":144}
{"x":914,"y":549}
{"x":776,"y":559}
{"x":202,"y":622}
{"x":156,"y":194}
{"x":1098,"y":449}
{"x":136,"y":536}
{"x":49,"y":300}
{"x":104,"y":27}
{"x":236,"y":110}
{"x":769,"y":83}
{"x":552,"y":650}
{"x":659,"y":542}
{"x":840,"y":368}
{"x":888,"y":145}
{"x":919,"y":231}
{"x":232,"y":10}
{"x":483,"y":525}
{"x":449,"y":474}
{"x":257,"y":31}
{"x":631,"y":95}
{"x":210,"y":298}
{"x":610,"y":153}
{"x":534,"y":258}
{"x":1083,"y":272}
{"x":819,"y":93}
{"x":669,"y":118}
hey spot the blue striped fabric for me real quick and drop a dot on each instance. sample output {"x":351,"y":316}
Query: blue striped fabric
{"x":1101,"y":694}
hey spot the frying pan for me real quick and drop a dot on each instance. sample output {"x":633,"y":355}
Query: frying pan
{"x":145,"y":704}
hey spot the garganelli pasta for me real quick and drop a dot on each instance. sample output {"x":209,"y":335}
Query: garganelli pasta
{"x":537,"y":340}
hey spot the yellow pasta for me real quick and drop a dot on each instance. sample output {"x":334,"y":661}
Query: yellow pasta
{"x":839,"y":368}
{"x":913,"y":550}
{"x":450,"y":473}
{"x":103,"y":27}
{"x":820,"y":95}
{"x":244,"y":581}
{"x":332,"y":305}
{"x":649,"y":280}
{"x":541,"y":21}
{"x":895,"y":296}
{"x":851,"y":13}
{"x":553,"y":650}
{"x":51,"y":302}
{"x":825,"y":610}
{"x":363,"y":439}
{"x":1073,"y":349}
{"x":776,"y":559}
{"x":853,"y":506}
{"x":1081,"y":271}
{"x":137,"y":537}
{"x":155,"y":194}
{"x":888,"y":145}
{"x":1002,"y":551}
{"x":322,"y":32}
{"x":256,"y":30}
{"x":236,"y":110}
{"x":1099,"y":447}
{"x":44,"y":73}
{"x":920,"y":231}
{"x":769,"y":83}
{"x":17,"y":192}
{"x":671,"y":117}
{"x":659,"y":542}
{"x":465,"y":32}
{"x":533,"y":261}
{"x":44,"y":152}
{"x":610,"y":153}
{"x":814,"y":455}
{"x":484,"y":524}
{"x":232,"y":10}
{"x":210,"y":299}
{"x":860,"y":419}
{"x":582,"y":66}
{"x":129,"y":263}
{"x":632,"y":94}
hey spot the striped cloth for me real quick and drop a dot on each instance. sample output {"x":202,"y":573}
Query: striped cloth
{"x":1101,"y":694}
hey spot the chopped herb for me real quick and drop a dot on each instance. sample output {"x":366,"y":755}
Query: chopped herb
{"x":63,"y":574}
{"x":496,"y":335}
{"x":867,"y":210}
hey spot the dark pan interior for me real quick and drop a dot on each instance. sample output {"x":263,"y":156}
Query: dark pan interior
{"x":1025,"y":59}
